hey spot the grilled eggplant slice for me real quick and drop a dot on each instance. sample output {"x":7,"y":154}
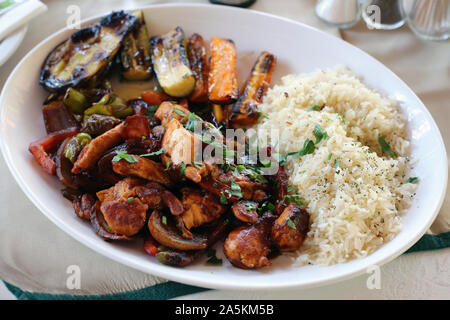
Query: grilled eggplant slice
{"x":170,"y":63}
{"x":85,"y":56}
{"x":199,"y":65}
{"x":222,"y":79}
{"x":135,"y":53}
{"x":245,"y":110}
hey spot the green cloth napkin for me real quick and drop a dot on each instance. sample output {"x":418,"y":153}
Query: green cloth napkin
{"x":169,"y":290}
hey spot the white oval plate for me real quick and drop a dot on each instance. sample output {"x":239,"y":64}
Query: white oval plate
{"x":299,"y":48}
{"x":10,"y":44}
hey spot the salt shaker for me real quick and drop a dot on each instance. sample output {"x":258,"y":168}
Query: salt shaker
{"x":339,"y":13}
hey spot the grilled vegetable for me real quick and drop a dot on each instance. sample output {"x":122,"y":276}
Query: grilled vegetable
{"x":170,"y":63}
{"x":109,"y":105}
{"x":222,"y":78}
{"x":75,"y":101}
{"x":64,"y":165}
{"x":135,"y":53}
{"x":57,"y":117}
{"x":74,"y":146}
{"x":41,"y":148}
{"x":245,"y":110}
{"x":85,"y":56}
{"x":98,"y":124}
{"x":168,"y":235}
{"x":154,"y":98}
{"x":199,"y":65}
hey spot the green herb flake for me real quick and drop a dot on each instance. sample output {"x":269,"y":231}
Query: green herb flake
{"x":385,"y":147}
{"x":414,"y":180}
{"x":168,"y":164}
{"x":293,"y":199}
{"x":291,"y":224}
{"x":261,"y":115}
{"x":212,"y":258}
{"x":336,"y":163}
{"x":330,"y":155}
{"x":223,"y":199}
{"x":164,"y":220}
{"x":319,"y":133}
{"x":130,"y":199}
{"x":182,"y":168}
{"x":156,"y":153}
{"x":122,"y":154}
{"x":179,"y":112}
{"x":340,"y":116}
{"x":314,"y":108}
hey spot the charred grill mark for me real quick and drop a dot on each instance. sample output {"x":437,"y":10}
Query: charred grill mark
{"x":120,"y":21}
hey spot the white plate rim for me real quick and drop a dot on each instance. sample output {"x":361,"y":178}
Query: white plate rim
{"x":163,"y":271}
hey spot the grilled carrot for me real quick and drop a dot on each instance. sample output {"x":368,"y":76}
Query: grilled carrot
{"x":245,"y":110}
{"x":222,"y":79}
{"x":199,"y":66}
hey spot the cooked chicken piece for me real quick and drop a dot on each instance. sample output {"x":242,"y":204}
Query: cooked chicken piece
{"x":142,"y":168}
{"x":290,"y":229}
{"x":200,"y":207}
{"x":125,"y":216}
{"x":158,"y":132}
{"x":247,"y":247}
{"x":96,"y":148}
{"x":221,"y":183}
{"x":122,"y":189}
{"x":150,"y":194}
{"x":83,"y":206}
{"x":175,"y":206}
{"x":124,"y":213}
{"x":168,"y":111}
{"x":179,"y":144}
{"x":246,"y":211}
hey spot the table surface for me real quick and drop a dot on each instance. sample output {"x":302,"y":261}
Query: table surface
{"x":423,"y":275}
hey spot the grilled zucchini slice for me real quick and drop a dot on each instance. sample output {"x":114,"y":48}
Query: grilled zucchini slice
{"x":85,"y":56}
{"x":135,"y":53}
{"x":171,"y":64}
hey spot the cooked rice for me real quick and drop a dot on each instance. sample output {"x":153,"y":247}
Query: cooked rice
{"x":354,"y":194}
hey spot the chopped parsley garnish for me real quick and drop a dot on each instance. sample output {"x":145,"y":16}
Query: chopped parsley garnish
{"x":178,"y":112}
{"x":308,"y":148}
{"x":289,"y":188}
{"x":182,"y":168}
{"x":414,"y":180}
{"x":130,"y":199}
{"x":212,"y":258}
{"x":319,"y":133}
{"x":168,"y":166}
{"x":314,"y":108}
{"x":164,"y":220}
{"x":386,"y":148}
{"x":330,"y":155}
{"x":340,"y":116}
{"x":223,"y":198}
{"x":196,"y":164}
{"x":122,"y":154}
{"x":156,"y":153}
{"x":236,"y":189}
{"x":192,"y":122}
{"x":293,"y":199}
{"x":336,"y":163}
{"x":249,"y":206}
{"x":291,"y":224}
{"x":266,"y":206}
{"x":143,"y":137}
{"x":261,"y":115}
